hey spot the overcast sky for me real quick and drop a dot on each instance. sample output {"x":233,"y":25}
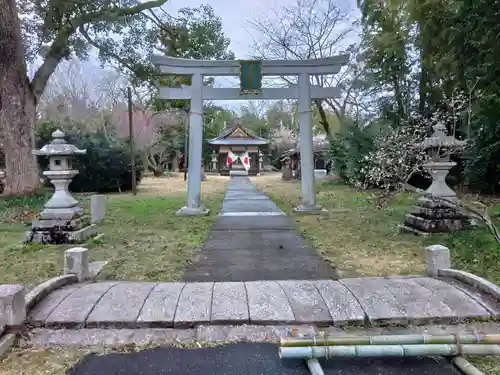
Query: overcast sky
{"x":235,"y":15}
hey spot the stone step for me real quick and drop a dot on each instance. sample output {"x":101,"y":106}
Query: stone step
{"x":359,"y":301}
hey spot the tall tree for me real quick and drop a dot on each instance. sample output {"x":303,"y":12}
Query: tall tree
{"x":55,"y":30}
{"x":197,"y":33}
{"x":387,"y":52}
{"x":308,"y":30}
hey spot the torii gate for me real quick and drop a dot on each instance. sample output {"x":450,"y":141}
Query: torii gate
{"x":250,"y":72}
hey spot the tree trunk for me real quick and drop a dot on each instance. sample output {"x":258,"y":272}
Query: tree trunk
{"x":175,"y":162}
{"x":324,"y":120}
{"x":17,"y":107}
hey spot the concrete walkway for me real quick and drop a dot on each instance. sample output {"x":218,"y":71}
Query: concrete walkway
{"x":254,"y":240}
{"x":361,"y":301}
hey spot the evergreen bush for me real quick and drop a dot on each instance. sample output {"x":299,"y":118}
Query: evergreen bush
{"x":106,"y":167}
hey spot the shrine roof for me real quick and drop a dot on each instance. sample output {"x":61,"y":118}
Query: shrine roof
{"x":320,"y":146}
{"x":237,"y":135}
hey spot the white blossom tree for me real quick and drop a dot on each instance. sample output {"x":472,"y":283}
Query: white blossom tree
{"x":283,"y":138}
{"x":397,"y":157}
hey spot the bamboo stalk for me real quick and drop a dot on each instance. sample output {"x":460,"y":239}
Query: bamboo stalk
{"x":391,"y":340}
{"x":465,"y":366}
{"x":315,"y":367}
{"x":388,"y":350}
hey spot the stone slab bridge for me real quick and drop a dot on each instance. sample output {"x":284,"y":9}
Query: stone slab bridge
{"x":374,"y":301}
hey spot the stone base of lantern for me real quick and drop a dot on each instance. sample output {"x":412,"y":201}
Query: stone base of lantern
{"x":432,"y":216}
{"x":61,"y":231}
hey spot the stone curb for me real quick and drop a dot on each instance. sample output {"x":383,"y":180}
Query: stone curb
{"x":98,"y":337}
{"x":44,"y":289}
{"x":477,"y":282}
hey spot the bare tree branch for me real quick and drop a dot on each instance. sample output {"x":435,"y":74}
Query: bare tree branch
{"x":311,"y":29}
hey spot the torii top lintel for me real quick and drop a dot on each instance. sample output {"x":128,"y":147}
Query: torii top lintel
{"x":178,"y":66}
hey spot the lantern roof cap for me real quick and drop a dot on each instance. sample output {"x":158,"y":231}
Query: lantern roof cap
{"x":441,"y":139}
{"x":59,"y":147}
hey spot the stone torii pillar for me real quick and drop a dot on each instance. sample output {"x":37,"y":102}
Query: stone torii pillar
{"x":193,"y":206}
{"x":306,"y":147}
{"x":250,"y":89}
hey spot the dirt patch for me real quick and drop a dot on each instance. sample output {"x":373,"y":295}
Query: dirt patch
{"x":175,"y":185}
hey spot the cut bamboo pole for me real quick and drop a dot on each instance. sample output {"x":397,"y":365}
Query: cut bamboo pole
{"x":465,"y":366}
{"x":388,"y":350}
{"x":391,"y":340}
{"x":314,"y":367}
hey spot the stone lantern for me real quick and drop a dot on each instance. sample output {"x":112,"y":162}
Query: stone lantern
{"x":214,"y":161}
{"x":62,"y":220}
{"x":286,"y":168}
{"x":437,"y":215}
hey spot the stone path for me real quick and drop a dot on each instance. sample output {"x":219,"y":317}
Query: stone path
{"x":362,"y":301}
{"x":254,"y":240}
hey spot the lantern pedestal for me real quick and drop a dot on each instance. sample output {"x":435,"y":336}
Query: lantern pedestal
{"x":62,"y":220}
{"x":431,"y":216}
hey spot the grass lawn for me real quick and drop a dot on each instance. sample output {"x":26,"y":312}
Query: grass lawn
{"x":362,"y":240}
{"x":143,"y":239}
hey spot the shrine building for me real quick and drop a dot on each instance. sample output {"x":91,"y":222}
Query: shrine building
{"x":238,"y":151}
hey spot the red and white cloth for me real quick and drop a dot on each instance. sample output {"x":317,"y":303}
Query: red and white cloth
{"x":245,"y":160}
{"x":231,"y":158}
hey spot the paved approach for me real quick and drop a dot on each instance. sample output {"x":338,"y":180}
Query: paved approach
{"x":254,"y":240}
{"x":358,"y":301}
{"x":247,"y":359}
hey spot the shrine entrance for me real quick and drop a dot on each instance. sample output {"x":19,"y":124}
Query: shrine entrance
{"x":237,"y":150}
{"x":250,"y":73}
{"x":238,"y":169}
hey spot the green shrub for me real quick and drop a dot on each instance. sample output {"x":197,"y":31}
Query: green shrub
{"x":482,"y":168}
{"x":106,"y":167}
{"x":348,"y":151}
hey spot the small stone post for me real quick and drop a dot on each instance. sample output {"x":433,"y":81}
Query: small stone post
{"x":76,"y":262}
{"x":97,"y":208}
{"x":438,"y":258}
{"x":12,"y":304}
